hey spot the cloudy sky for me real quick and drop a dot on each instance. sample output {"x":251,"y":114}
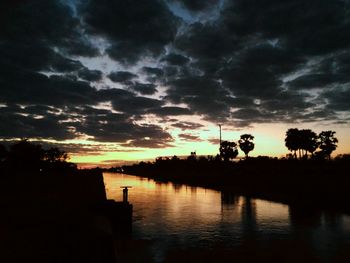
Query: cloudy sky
{"x":128,"y":79}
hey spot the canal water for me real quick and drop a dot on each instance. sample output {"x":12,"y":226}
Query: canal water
{"x":203,"y":223}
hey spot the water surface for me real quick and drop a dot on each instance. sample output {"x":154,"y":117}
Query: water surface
{"x":179,"y":217}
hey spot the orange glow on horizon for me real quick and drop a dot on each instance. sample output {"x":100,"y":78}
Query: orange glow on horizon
{"x":269,"y":141}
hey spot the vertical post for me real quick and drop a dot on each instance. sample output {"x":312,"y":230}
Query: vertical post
{"x":220,"y":134}
{"x":125,"y":195}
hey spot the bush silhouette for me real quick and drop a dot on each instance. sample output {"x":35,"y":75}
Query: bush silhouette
{"x":228,"y":150}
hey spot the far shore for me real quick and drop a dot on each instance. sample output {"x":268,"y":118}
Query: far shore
{"x":313,"y":184}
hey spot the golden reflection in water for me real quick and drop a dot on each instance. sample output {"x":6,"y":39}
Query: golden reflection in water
{"x":177,"y":215}
{"x":268,"y":211}
{"x":192,"y":205}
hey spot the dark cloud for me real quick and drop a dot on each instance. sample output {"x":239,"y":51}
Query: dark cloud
{"x":171,"y":111}
{"x":234,"y":76}
{"x":256,"y":72}
{"x":34,"y":56}
{"x":128,"y":102}
{"x":90,"y":75}
{"x":156,"y":72}
{"x":106,"y":126}
{"x":207,"y":41}
{"x":202,"y":95}
{"x":35,"y":88}
{"x":196,"y":5}
{"x":258,"y":61}
{"x":253,"y":46}
{"x":74,"y":148}
{"x":320,"y":115}
{"x":185,"y":125}
{"x":252,"y":114}
{"x":175,"y":59}
{"x":150,"y":143}
{"x":16,"y":123}
{"x":284,"y":106}
{"x":122,"y":76}
{"x":189,"y":137}
{"x":153,"y":74}
{"x":312,"y":27}
{"x":171,"y":71}
{"x":135,"y":28}
{"x":288,"y":102}
{"x":62,"y":113}
{"x":41,"y":37}
{"x":214,"y":141}
{"x":48,"y":23}
{"x":329,"y":71}
{"x":150,"y":136}
{"x":314,"y":81}
{"x":136,"y":105}
{"x":144,"y":88}
{"x":338,"y":98}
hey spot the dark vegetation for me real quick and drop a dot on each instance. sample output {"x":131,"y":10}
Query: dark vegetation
{"x":246,"y":143}
{"x":49,"y":208}
{"x":306,"y":142}
{"x":32,"y":159}
{"x":307,"y":176}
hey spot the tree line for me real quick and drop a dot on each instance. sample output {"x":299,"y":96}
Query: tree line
{"x":303,"y":144}
{"x":31,"y":157}
{"x":229,"y":149}
{"x":306,"y":143}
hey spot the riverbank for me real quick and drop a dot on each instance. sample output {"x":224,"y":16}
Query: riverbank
{"x":54,"y":218}
{"x":321,"y":184}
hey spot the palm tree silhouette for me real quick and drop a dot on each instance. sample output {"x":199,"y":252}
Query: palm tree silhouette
{"x":292,"y":140}
{"x":327,"y":142}
{"x":246,"y":143}
{"x":309,"y":141}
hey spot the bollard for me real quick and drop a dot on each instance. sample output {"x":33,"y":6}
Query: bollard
{"x":125,"y":193}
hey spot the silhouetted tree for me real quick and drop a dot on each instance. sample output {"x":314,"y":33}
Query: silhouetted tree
{"x":246,"y":143}
{"x":228,"y":150}
{"x":55,"y":155}
{"x":327,"y":142}
{"x":292,"y":140}
{"x":309,"y":141}
{"x":303,"y":141}
{"x":25,"y":155}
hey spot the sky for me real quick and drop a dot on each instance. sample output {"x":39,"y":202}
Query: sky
{"x":114,"y":81}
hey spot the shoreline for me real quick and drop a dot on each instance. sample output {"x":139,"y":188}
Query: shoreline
{"x":315,"y":185}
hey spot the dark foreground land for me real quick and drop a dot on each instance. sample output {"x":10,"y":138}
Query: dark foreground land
{"x":321,"y":183}
{"x":53,"y":212}
{"x":60,"y":217}
{"x":53,"y":218}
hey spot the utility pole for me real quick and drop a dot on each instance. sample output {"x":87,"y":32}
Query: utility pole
{"x":220,"y":134}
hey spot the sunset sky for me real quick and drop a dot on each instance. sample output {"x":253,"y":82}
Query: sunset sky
{"x":124,"y":80}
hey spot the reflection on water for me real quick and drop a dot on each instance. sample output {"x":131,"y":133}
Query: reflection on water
{"x":183,"y":217}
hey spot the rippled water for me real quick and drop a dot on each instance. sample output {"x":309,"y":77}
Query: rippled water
{"x":183,"y":217}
